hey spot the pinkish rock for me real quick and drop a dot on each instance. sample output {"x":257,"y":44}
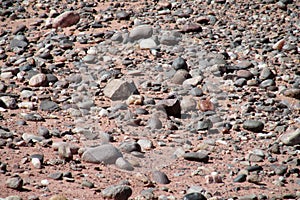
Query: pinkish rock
{"x":38,"y":80}
{"x":66,"y":19}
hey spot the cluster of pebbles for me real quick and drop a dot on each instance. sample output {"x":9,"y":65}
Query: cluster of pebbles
{"x":150,"y":99}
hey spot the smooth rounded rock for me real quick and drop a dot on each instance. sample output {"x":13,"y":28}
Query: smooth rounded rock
{"x":253,"y":125}
{"x":106,"y":153}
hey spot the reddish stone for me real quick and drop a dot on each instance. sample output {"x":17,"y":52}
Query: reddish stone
{"x":205,"y":105}
{"x":66,"y":19}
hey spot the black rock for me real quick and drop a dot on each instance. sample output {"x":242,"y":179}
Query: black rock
{"x":194,"y":196}
{"x":240,"y":178}
{"x":179,"y":63}
{"x":196,"y":156}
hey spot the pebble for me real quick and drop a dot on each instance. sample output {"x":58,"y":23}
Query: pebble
{"x":87,"y":184}
{"x":106,"y":153}
{"x":196,"y":156}
{"x":180,"y":63}
{"x":47,"y":105}
{"x":154,"y":123}
{"x":145,"y":144}
{"x":253,"y":125}
{"x":140,"y":32}
{"x":160,"y":177}
{"x":9,"y":102}
{"x":194,"y":196}
{"x":124,"y":164}
{"x":292,"y":92}
{"x":240,"y":178}
{"x":117,"y":192}
{"x":38,"y":80}
{"x":5,"y":133}
{"x":148,"y":44}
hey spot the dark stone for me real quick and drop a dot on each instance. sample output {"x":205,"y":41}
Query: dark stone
{"x":196,"y":156}
{"x":194,"y":196}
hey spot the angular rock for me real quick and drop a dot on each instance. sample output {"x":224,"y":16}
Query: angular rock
{"x":15,"y":182}
{"x":9,"y":102}
{"x":130,"y":146}
{"x":107,"y":154}
{"x":5,"y":133}
{"x":160,"y":177}
{"x":66,"y":19}
{"x":196,"y":156}
{"x":140,"y":32}
{"x":171,"y":107}
{"x":117,"y":89}
{"x":253,"y":125}
{"x":291,"y":138}
{"x":117,"y":192}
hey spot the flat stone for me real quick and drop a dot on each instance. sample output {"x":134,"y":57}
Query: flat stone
{"x":160,"y":177}
{"x":66,"y":19}
{"x":148,"y":44}
{"x":253,"y":125}
{"x":130,"y":146}
{"x":32,"y":117}
{"x":31,"y":137}
{"x":291,"y":138}
{"x":117,"y":89}
{"x":56,"y":175}
{"x":5,"y":133}
{"x":106,"y":153}
{"x":140,"y":32}
{"x":58,"y":197}
{"x":48,"y":105}
{"x":117,"y":192}
{"x":192,"y":27}
{"x":196,"y":156}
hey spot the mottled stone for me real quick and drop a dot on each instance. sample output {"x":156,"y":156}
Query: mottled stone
{"x":66,"y":19}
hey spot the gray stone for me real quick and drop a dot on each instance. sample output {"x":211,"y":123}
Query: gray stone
{"x":140,"y":32}
{"x":124,"y":164}
{"x":170,"y":38}
{"x":117,"y":192}
{"x":266,"y":73}
{"x":180,"y":76}
{"x":15,"y":182}
{"x":65,"y":152}
{"x":196,"y":156}
{"x":87,"y":184}
{"x":194,"y":196}
{"x":48,"y":105}
{"x":180,"y":63}
{"x":106,"y":153}
{"x":32,"y":117}
{"x":148,"y":44}
{"x":160,"y":177}
{"x":188,"y":104}
{"x":117,"y":89}
{"x":13,"y":197}
{"x":204,"y":125}
{"x":154,"y":123}
{"x":145,"y":144}
{"x":291,"y":138}
{"x":171,"y":107}
{"x":292,"y":92}
{"x":56,"y":175}
{"x":130,"y":146}
{"x":43,"y":131}
{"x":253,"y":125}
{"x":5,"y":133}
{"x":31,"y":137}
{"x":240,"y":178}
{"x":9,"y":102}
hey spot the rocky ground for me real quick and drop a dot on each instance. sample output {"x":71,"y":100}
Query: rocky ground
{"x":149,"y":99}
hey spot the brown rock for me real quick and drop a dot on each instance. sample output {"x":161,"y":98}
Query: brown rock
{"x":66,"y":19}
{"x":188,"y":28}
{"x":205,"y":105}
